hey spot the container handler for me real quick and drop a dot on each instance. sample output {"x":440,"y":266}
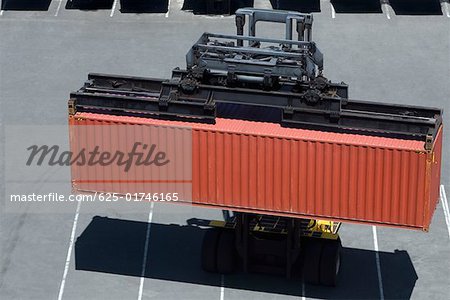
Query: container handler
{"x":341,"y":160}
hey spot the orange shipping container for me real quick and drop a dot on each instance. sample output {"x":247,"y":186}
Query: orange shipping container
{"x":265,"y":168}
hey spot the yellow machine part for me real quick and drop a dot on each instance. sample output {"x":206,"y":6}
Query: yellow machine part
{"x":316,"y":228}
{"x":322,"y":229}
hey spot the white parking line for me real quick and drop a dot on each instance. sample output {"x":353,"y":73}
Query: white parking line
{"x":59,"y":7}
{"x":1,"y":12}
{"x":333,"y":11}
{"x":445,"y":207}
{"x":377,"y":259}
{"x":387,"y":10}
{"x":113,"y":8}
{"x":144,"y":259}
{"x":222,"y":287}
{"x":446,"y":8}
{"x":303,"y":290}
{"x":168,"y":9}
{"x":69,"y":251}
{"x":262,"y":4}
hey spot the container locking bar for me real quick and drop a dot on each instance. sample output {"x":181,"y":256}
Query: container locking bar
{"x":174,"y":99}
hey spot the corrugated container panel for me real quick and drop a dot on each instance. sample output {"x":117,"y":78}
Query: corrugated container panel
{"x":265,"y":168}
{"x":86,"y":134}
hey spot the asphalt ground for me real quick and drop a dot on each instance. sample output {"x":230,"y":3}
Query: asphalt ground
{"x":45,"y":55}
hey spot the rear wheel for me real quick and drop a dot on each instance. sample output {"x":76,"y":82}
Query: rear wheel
{"x":226,"y":253}
{"x":311,"y":264}
{"x":209,"y":250}
{"x":330,"y":262}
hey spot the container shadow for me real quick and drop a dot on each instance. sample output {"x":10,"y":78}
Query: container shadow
{"x":196,"y":7}
{"x":143,"y":6}
{"x":37,"y":5}
{"x":357,"y":6}
{"x":416,"y":7}
{"x":304,"y":6}
{"x":215,"y":7}
{"x":89,"y":4}
{"x":117,"y":246}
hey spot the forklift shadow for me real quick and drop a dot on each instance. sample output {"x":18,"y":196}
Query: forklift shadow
{"x":32,"y":5}
{"x":140,"y":7}
{"x":357,"y":6}
{"x":89,"y":4}
{"x":307,"y":6}
{"x":117,"y":246}
{"x":215,"y":7}
{"x":416,"y":7}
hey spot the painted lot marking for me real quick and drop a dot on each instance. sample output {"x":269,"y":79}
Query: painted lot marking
{"x":168,"y":9}
{"x":303,"y":290}
{"x":445,"y":8}
{"x":387,"y":10}
{"x":262,"y":4}
{"x":222,"y":287}
{"x":333,"y":11}
{"x":1,"y":12}
{"x":113,"y":8}
{"x":144,"y":259}
{"x":377,"y":259}
{"x":445,"y":208}
{"x":69,"y":251}
{"x":58,"y":8}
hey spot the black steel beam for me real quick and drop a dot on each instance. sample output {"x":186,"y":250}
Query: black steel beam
{"x":157,"y":98}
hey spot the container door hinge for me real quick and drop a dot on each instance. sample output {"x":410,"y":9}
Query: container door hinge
{"x":72,"y":107}
{"x":429,"y":142}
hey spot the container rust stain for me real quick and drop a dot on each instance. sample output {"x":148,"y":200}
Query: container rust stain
{"x":265,"y":168}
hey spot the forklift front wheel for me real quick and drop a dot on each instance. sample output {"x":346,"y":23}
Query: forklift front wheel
{"x":311,"y":264}
{"x":209,"y":250}
{"x":226,"y":253}
{"x":330,"y":262}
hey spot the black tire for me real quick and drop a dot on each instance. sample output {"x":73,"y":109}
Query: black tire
{"x":330,"y":262}
{"x":226,"y":253}
{"x":209,"y":250}
{"x":311,"y":262}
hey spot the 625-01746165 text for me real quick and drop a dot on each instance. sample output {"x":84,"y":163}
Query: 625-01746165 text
{"x":95,"y":197}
